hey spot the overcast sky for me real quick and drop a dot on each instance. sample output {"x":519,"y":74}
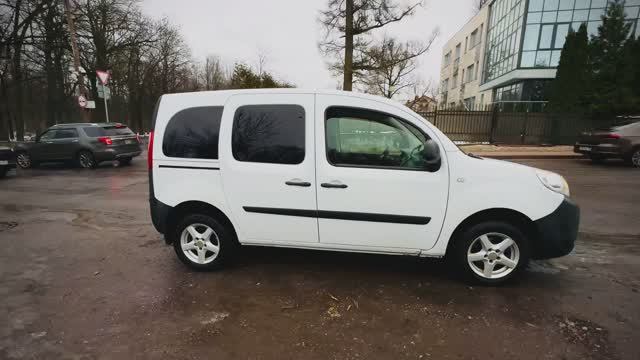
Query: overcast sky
{"x":287,"y":32}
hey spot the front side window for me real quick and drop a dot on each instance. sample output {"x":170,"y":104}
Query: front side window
{"x":191,"y":133}
{"x":365,"y":138}
{"x":66,"y":133}
{"x":48,"y":135}
{"x":269,"y":134}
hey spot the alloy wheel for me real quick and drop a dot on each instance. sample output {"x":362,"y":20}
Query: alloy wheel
{"x":24,"y":160}
{"x":199,"y":243}
{"x":635,"y":159}
{"x":493,"y":255}
{"x":86,"y":160}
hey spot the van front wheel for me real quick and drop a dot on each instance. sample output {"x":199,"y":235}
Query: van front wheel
{"x":491,"y":252}
{"x":201,"y":242}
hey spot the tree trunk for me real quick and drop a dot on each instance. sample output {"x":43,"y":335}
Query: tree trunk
{"x":348,"y":48}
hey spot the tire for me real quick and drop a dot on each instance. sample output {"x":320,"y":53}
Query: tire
{"x":86,"y":160}
{"x":634,"y":158}
{"x":24,"y":160}
{"x":125,"y":161}
{"x":204,"y":253}
{"x":3,"y":172}
{"x":505,"y":265}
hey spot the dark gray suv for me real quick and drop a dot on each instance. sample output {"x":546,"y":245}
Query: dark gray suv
{"x":85,"y":144}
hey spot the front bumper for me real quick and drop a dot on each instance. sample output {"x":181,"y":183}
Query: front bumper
{"x":557,"y":232}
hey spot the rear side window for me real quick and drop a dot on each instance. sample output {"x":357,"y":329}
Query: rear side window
{"x":66,"y":133}
{"x":193,"y":133}
{"x":94,"y":131}
{"x":269,"y":134}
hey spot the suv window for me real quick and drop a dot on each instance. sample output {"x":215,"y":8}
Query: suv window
{"x":66,"y":133}
{"x":117,"y":130}
{"x":193,"y":133}
{"x":48,"y":135}
{"x":269,"y":134}
{"x":358,"y":137}
{"x":93,"y":131}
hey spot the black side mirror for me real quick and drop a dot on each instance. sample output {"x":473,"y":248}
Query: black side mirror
{"x":38,"y":138}
{"x":431,"y":154}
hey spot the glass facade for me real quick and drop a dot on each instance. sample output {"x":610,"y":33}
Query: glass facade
{"x":503,"y":38}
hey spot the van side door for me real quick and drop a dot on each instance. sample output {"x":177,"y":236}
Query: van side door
{"x":267,"y":159}
{"x":375,"y":191}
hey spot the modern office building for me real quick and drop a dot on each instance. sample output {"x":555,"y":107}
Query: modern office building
{"x":523,"y":41}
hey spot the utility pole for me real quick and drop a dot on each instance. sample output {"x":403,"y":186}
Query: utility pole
{"x":76,"y":57}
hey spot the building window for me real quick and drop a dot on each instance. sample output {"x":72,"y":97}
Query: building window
{"x":447,"y":59}
{"x":458,"y":51}
{"x":503,"y":37}
{"x":445,"y":85}
{"x":470,"y":73}
{"x":470,"y":103}
{"x":269,"y":134}
{"x":454,"y":81}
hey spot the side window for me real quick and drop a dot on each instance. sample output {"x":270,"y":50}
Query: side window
{"x":193,"y":133}
{"x":269,"y":134}
{"x":66,"y":134}
{"x":48,"y":135}
{"x":358,"y":137}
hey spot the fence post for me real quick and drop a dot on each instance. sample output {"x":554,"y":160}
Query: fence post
{"x":435,"y":117}
{"x":494,"y":123}
{"x":523,"y":133}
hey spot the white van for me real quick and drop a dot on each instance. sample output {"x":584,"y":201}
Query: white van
{"x":332,"y":170}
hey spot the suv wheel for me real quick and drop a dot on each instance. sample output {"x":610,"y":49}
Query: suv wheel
{"x":203,"y":243}
{"x":86,"y":160}
{"x":24,"y":160}
{"x":124,"y":161}
{"x":491,"y":253}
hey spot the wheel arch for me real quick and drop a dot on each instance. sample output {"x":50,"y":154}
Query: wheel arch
{"x":513,"y":217}
{"x":192,"y":207}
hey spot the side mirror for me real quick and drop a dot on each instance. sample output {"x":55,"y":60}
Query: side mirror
{"x":431,"y":153}
{"x":37,"y":139}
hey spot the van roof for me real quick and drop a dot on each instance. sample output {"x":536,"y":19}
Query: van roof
{"x":285,"y":91}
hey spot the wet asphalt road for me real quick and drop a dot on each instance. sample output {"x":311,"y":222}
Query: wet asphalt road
{"x":83,"y":275}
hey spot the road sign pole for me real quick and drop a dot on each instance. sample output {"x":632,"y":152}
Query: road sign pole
{"x":106,"y":109}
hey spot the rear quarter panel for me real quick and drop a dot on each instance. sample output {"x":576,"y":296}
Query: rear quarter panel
{"x":173,"y":186}
{"x":482,"y":184}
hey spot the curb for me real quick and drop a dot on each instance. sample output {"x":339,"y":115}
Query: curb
{"x":530,"y":156}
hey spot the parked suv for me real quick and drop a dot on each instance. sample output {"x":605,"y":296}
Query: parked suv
{"x":346,"y":172}
{"x":86,"y":144}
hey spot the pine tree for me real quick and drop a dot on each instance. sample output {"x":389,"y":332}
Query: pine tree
{"x":570,"y":90}
{"x":608,"y":57}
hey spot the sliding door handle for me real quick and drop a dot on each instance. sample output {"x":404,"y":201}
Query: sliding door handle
{"x":296,"y":182}
{"x":334,"y":185}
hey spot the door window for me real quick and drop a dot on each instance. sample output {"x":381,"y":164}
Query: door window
{"x":191,"y":133}
{"x":365,"y":138}
{"x":48,"y":135}
{"x":269,"y":134}
{"x":66,"y":133}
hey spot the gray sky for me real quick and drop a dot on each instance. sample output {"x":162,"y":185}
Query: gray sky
{"x":287,"y":32}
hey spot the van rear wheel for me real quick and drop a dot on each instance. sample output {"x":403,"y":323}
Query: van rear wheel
{"x":491,"y":253}
{"x":202,"y":242}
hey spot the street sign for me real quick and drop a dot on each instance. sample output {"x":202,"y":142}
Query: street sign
{"x":82,"y":101}
{"x":103,"y":76}
{"x":90,"y":105}
{"x":104,"y":92}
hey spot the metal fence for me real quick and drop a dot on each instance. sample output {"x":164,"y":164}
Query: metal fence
{"x":490,"y":125}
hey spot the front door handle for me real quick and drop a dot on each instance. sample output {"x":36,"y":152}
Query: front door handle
{"x":296,"y":182}
{"x":334,"y":185}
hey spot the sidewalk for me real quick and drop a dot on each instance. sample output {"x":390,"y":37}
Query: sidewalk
{"x":521,"y":152}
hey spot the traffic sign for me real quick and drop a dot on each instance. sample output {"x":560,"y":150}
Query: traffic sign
{"x":82,"y":101}
{"x":103,"y":76}
{"x":90,"y":104}
{"x":104,"y":92}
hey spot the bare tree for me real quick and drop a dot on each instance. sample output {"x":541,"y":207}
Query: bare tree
{"x":213,"y":73}
{"x":347,"y":24}
{"x":394,"y":63}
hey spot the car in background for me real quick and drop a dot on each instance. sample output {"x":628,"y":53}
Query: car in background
{"x":7,"y":160}
{"x":621,"y":141}
{"x":84,"y":144}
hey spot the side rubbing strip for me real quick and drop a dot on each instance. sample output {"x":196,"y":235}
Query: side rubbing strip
{"x":188,"y":167}
{"x":342,"y":215}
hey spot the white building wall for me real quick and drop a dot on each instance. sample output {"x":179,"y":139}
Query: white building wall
{"x":465,"y":86}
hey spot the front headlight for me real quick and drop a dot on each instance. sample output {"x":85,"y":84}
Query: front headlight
{"x":553,"y":181}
